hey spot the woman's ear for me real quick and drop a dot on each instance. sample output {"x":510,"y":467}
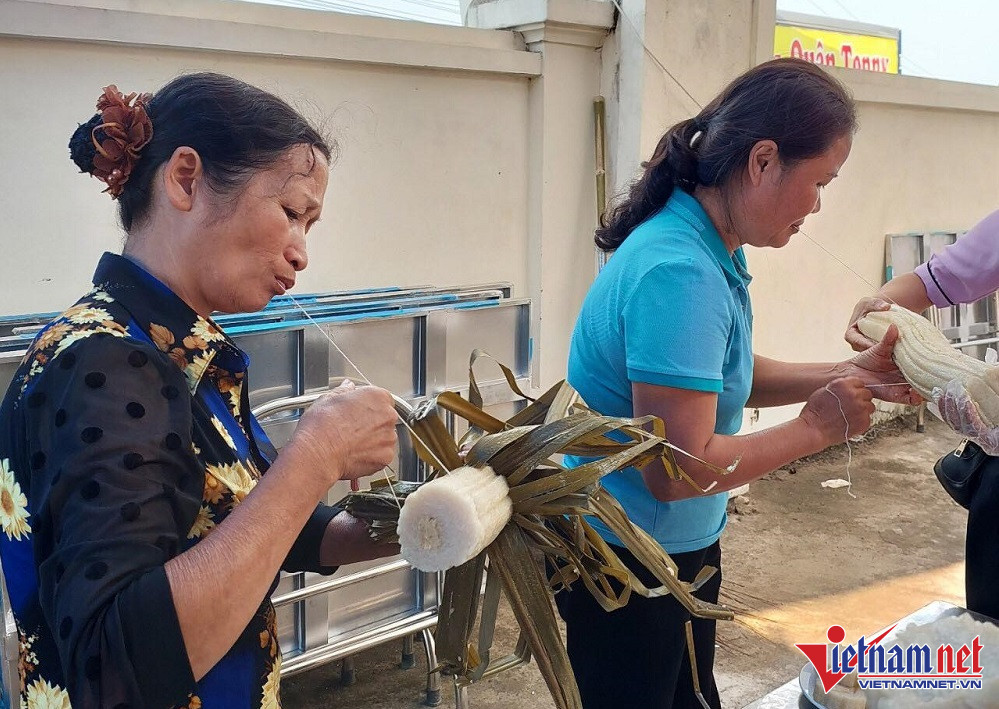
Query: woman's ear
{"x":182,"y":176}
{"x":762,"y":158}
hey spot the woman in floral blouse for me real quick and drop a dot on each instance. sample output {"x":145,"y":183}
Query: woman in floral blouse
{"x":139,"y":535}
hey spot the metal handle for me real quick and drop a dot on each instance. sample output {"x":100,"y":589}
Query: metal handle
{"x":300,"y":594}
{"x":285,"y":403}
{"x":304,"y":401}
{"x":359,"y":642}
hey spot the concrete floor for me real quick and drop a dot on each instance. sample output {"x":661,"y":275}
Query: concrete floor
{"x":797,"y":557}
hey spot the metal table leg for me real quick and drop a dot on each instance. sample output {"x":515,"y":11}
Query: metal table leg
{"x":408,"y":660}
{"x":347,"y":676}
{"x":460,"y":696}
{"x":433,"y":698}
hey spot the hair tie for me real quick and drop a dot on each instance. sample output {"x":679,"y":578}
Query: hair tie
{"x":123,"y":131}
{"x":696,"y":138}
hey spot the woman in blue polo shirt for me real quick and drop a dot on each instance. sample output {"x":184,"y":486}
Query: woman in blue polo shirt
{"x":666,"y":329}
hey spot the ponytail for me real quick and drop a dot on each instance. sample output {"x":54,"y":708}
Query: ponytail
{"x":672,"y":165}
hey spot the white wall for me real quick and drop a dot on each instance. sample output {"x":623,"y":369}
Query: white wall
{"x":402,"y":207}
{"x":468,"y":153}
{"x":462,"y":160}
{"x":421,"y":193}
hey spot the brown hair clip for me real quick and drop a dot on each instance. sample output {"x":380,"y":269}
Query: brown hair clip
{"x":124,"y":130}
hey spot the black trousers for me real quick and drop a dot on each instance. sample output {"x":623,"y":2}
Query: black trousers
{"x":636,"y":657}
{"x":981,"y":570}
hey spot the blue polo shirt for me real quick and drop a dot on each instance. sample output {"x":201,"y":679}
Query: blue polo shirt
{"x":671,"y":308}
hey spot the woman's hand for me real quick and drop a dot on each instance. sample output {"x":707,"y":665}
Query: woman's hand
{"x":348,"y":433}
{"x":878,"y":371}
{"x":840,"y":410}
{"x":959,"y":411}
{"x":854,"y":337}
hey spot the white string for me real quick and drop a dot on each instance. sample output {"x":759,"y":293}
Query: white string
{"x":357,"y":369}
{"x":368,"y":382}
{"x":842,"y":263}
{"x":652,"y":56}
{"x":849,"y":448}
{"x":846,"y":433}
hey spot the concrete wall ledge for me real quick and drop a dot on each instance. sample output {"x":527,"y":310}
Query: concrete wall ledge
{"x":245,"y":28}
{"x":513,"y":13}
{"x":917,"y":92}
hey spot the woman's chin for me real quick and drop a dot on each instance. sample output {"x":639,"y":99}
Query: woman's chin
{"x":246,"y":304}
{"x":782,"y":240}
{"x":256,"y":305}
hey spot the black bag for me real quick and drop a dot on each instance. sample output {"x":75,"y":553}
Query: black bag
{"x":960,"y":471}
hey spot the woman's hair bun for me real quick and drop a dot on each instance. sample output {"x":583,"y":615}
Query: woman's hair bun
{"x":235,"y":128}
{"x":117,"y":134}
{"x":81,"y":145}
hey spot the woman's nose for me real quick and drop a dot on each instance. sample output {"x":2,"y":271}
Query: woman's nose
{"x":297,"y":255}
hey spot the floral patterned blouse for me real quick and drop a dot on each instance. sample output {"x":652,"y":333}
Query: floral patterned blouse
{"x":125,"y":439}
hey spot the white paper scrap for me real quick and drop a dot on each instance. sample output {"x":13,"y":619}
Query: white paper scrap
{"x":836,"y":483}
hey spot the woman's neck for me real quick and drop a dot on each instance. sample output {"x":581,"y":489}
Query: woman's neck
{"x":156,"y":253}
{"x":718,"y":211}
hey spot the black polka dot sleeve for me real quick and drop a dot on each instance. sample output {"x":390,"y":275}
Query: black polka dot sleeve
{"x":110,"y":424}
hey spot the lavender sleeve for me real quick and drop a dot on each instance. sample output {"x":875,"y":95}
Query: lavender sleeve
{"x":966,"y":270}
